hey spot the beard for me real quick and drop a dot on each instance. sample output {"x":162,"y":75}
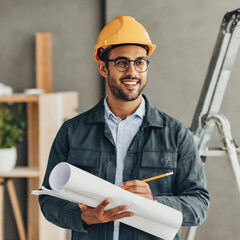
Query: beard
{"x":120,"y":92}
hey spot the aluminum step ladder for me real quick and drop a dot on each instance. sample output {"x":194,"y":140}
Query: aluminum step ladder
{"x":207,"y":115}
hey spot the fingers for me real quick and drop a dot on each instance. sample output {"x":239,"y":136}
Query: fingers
{"x":116,"y":210}
{"x":114,"y":213}
{"x":99,"y":215}
{"x":102,"y":205}
{"x":82,"y":206}
{"x":122,"y":215}
{"x":117,"y":213}
{"x":138,"y":187}
{"x":133,"y":183}
{"x":135,"y":186}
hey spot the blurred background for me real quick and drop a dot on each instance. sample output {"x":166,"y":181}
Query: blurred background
{"x":184,"y":31}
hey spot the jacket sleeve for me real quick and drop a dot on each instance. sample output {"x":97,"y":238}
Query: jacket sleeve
{"x":63,"y":213}
{"x":190,"y":194}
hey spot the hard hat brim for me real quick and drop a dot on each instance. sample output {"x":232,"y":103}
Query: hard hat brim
{"x":151,"y":49}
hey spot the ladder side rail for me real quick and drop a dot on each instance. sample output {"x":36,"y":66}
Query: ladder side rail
{"x":228,"y":142}
{"x":231,"y":149}
{"x":226,"y":70}
{"x":191,"y":233}
{"x":211,"y":78}
{"x":214,"y":68}
{"x":229,"y":27}
{"x":209,"y":86}
{"x":202,"y":138}
{"x":202,"y":134}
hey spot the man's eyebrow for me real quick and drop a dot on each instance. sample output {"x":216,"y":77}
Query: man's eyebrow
{"x":141,"y":57}
{"x":124,"y":57}
{"x":121,"y":57}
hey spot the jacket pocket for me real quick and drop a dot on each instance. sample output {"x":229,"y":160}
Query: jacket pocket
{"x":85,"y":159}
{"x":159,"y":159}
{"x":154,"y":163}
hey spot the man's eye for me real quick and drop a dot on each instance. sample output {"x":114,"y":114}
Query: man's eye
{"x":122,"y":62}
{"x":140,"y":62}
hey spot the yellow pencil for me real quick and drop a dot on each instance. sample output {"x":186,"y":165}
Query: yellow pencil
{"x":152,"y":178}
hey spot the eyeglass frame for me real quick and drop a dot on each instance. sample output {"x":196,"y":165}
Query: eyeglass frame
{"x":129,"y":61}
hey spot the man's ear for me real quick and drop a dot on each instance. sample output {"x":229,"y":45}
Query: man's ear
{"x":102,"y":68}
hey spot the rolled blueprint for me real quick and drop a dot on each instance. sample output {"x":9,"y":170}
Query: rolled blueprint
{"x":76,"y":185}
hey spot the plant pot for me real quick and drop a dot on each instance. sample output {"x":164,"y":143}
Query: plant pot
{"x":8,"y":159}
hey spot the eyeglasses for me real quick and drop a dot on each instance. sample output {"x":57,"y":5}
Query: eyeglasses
{"x":122,"y":64}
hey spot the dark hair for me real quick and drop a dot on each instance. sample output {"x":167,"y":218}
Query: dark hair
{"x":103,"y":55}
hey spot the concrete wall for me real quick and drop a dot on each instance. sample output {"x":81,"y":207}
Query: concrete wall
{"x":74,"y":25}
{"x":185,"y":32}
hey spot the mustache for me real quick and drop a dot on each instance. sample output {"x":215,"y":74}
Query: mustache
{"x":131,"y":78}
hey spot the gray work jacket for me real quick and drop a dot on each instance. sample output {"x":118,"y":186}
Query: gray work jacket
{"x":162,"y":144}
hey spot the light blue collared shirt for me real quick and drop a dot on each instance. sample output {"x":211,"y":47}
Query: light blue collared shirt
{"x":123,"y":132}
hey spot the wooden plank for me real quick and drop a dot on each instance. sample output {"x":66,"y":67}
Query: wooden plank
{"x":33,"y":161}
{"x":21,"y":172}
{"x":19,"y":98}
{"x":69,"y":104}
{"x":1,"y":208}
{"x":16,"y":209}
{"x":33,"y":134}
{"x":45,"y":114}
{"x":53,"y":109}
{"x":49,"y":123}
{"x":44,"y":61}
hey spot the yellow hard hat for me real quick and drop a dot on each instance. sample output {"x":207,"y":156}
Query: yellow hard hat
{"x":122,"y":30}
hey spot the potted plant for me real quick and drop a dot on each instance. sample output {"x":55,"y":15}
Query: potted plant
{"x":12,"y":124}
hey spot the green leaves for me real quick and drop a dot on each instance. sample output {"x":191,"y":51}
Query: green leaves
{"x":12,"y":125}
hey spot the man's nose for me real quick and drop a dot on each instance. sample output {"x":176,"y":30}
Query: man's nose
{"x":131,"y":69}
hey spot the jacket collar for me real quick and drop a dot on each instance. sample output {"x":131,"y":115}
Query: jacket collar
{"x":153,"y":117}
{"x":96,"y":114}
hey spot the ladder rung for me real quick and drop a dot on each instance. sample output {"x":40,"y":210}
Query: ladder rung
{"x":219,"y":152}
{"x":216,"y":153}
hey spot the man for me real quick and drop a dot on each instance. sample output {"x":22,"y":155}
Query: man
{"x":125,"y":139}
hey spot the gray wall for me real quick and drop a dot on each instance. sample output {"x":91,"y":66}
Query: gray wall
{"x":74,"y":25}
{"x":185,"y":32}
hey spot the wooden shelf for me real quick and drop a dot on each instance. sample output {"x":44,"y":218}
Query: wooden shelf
{"x":19,"y":98}
{"x":21,"y":172}
{"x":45,"y":114}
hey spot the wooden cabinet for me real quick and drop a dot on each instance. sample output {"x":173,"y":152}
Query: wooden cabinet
{"x":45,"y":114}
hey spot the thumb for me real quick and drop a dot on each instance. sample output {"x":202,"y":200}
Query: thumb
{"x":83,"y":207}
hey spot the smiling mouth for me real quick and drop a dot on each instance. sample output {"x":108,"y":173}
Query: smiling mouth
{"x":130,"y":83}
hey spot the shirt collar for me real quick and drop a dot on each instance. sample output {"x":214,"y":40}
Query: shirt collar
{"x":140,"y":112}
{"x":153,"y":117}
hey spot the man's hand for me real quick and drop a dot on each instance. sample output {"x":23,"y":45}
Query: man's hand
{"x":98,"y":215}
{"x":138,"y":187}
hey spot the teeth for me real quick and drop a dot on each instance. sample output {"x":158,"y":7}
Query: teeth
{"x":130,"y":83}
